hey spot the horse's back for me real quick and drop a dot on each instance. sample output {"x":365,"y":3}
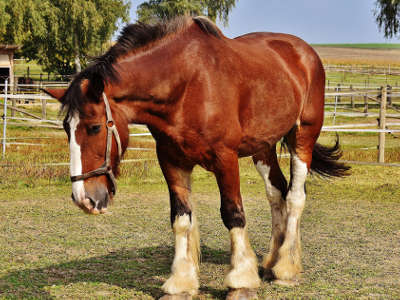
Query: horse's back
{"x":292,"y":53}
{"x":282,"y":72}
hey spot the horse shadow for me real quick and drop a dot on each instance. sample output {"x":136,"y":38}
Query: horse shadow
{"x":141,"y":269}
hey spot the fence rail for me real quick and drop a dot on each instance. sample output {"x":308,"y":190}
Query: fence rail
{"x":379,"y":97}
{"x":363,"y":69}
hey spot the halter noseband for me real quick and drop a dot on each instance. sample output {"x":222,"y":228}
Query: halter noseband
{"x":106,"y":167}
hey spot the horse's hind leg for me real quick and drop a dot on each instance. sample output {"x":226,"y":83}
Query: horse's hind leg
{"x":276,"y":187}
{"x":184,"y":279}
{"x":301,"y":141}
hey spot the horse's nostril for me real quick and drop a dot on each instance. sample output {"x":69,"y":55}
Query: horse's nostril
{"x":92,"y":202}
{"x":99,"y":204}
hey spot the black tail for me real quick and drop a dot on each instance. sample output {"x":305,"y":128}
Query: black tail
{"x":325,"y":161}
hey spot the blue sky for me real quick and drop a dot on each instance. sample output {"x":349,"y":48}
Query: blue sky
{"x":315,"y":21}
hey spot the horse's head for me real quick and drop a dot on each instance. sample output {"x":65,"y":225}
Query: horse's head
{"x":98,"y":135}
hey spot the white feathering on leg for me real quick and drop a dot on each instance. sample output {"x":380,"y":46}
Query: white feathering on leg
{"x":185,"y":265}
{"x":244,"y":272}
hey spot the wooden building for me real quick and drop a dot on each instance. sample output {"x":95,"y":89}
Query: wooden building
{"x":7,"y":64}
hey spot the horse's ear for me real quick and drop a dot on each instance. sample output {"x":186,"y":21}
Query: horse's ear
{"x":55,"y":93}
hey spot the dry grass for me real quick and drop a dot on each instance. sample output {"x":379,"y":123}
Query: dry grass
{"x":50,"y":249}
{"x":333,"y":55}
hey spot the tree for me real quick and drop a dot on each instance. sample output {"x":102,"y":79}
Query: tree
{"x":153,"y":10}
{"x":4,"y":18}
{"x":20,"y":19}
{"x":61,"y":34}
{"x":387,"y":13}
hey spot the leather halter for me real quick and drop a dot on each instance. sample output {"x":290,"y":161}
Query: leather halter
{"x":106,"y":167}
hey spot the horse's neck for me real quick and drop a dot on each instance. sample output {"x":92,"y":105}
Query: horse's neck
{"x":150,"y":86}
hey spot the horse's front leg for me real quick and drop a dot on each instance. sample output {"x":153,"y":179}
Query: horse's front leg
{"x":184,"y":278}
{"x":243,"y":277}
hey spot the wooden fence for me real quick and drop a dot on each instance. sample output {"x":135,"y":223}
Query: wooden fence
{"x":364,"y":69}
{"x":382,"y":97}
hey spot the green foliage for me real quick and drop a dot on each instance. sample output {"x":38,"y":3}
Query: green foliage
{"x":154,"y":10}
{"x":387,"y":13}
{"x":61,"y":34}
{"x":21,"y":19}
{"x":4,"y":18}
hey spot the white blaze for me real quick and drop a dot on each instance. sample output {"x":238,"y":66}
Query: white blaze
{"x":78,"y":189}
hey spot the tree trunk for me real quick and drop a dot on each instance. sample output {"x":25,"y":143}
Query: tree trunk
{"x":78,"y":67}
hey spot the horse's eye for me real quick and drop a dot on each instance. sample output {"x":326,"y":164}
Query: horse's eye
{"x":94,"y":129}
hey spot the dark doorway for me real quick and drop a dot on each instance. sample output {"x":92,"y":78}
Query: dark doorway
{"x":4,"y":74}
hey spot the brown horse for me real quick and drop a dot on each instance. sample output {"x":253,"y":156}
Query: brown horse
{"x":207,"y":100}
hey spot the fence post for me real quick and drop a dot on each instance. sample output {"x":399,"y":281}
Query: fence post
{"x":366,"y":104}
{"x":13,"y":104}
{"x":44,"y":101}
{"x":352,"y":97}
{"x":389,"y":95}
{"x":5,"y":117}
{"x":15,"y":87}
{"x":335,"y":109}
{"x":382,"y":125}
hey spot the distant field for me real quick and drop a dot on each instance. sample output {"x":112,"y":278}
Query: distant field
{"x":340,"y":54}
{"x":360,"y":46}
{"x":24,"y":67}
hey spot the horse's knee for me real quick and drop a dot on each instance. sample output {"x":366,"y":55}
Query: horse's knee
{"x":232,"y":214}
{"x":179,"y":204}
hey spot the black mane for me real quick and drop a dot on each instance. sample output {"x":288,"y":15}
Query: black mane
{"x":133,"y":36}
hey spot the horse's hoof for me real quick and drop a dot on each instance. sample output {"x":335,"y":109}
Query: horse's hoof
{"x":267,"y":275}
{"x":242,"y":294}
{"x":183,"y":296}
{"x":289,"y":283}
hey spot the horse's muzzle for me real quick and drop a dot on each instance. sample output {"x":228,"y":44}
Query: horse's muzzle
{"x":93,"y":203}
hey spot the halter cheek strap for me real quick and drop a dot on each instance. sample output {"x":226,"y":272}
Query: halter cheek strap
{"x":106,"y":167}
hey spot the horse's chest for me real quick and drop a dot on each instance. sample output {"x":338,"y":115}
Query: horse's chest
{"x":188,"y":147}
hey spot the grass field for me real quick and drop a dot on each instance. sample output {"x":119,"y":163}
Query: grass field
{"x":363,"y":80}
{"x":24,"y":67}
{"x":50,"y":249}
{"x":359,"y":56}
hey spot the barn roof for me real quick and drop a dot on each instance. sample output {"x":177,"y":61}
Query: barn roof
{"x":9,"y":48}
